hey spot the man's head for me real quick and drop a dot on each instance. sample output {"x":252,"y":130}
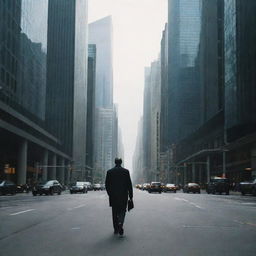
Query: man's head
{"x":118,"y":161}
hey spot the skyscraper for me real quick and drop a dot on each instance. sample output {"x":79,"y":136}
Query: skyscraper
{"x":183,"y":86}
{"x":100,"y":33}
{"x":67,"y":78}
{"x":43,"y":88}
{"x":106,"y":140}
{"x":90,"y":129}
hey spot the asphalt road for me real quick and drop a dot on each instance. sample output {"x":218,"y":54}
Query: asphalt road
{"x":161,"y":224}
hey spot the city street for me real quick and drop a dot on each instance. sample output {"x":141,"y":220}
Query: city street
{"x":161,"y":224}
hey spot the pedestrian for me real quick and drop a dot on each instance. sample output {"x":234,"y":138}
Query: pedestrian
{"x":119,"y":187}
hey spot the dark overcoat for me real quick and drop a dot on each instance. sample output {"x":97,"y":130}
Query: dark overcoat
{"x":119,"y":186}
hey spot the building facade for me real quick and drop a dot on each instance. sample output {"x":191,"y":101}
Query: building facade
{"x":100,"y":34}
{"x":183,"y":86}
{"x":106,"y":140}
{"x":90,"y":122}
{"x":39,"y":125}
{"x":240,"y":52}
{"x":67,"y":78}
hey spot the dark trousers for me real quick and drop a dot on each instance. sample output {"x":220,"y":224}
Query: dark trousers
{"x":118,"y":217}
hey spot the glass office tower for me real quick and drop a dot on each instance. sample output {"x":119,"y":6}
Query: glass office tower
{"x":23,"y":46}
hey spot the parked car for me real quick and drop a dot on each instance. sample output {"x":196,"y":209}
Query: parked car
{"x":170,"y":188}
{"x":248,"y":187}
{"x":145,"y":186}
{"x":103,"y":187}
{"x":89,"y":185}
{"x":96,"y":186}
{"x":48,"y":188}
{"x":155,"y":187}
{"x":218,"y":185}
{"x":7,"y":187}
{"x":77,"y":187}
{"x":191,"y":187}
{"x":22,"y":188}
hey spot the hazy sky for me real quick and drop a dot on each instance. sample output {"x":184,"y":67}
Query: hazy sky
{"x":137,"y":29}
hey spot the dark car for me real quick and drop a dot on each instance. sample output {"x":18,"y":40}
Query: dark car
{"x":170,"y":188}
{"x":248,"y":187}
{"x":48,"y":188}
{"x":218,"y":185}
{"x":78,"y":187}
{"x":155,"y":187}
{"x":22,"y":188}
{"x":7,"y":187}
{"x":191,"y":187}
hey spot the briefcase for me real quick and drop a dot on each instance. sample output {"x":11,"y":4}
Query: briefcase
{"x":130,"y":204}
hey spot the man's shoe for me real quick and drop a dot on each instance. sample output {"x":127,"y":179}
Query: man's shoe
{"x":121,"y":231}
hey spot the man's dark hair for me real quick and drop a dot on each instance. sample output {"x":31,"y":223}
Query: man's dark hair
{"x":118,"y":161}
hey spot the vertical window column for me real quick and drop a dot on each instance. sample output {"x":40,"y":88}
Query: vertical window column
{"x":45,"y":164}
{"x":22,"y":162}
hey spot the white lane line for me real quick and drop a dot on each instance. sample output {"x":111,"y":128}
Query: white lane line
{"x":16,"y":213}
{"x":185,"y":200}
{"x":245,"y":223}
{"x":76,"y":207}
{"x":181,"y":199}
{"x":197,"y":206}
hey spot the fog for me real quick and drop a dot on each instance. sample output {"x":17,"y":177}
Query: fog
{"x":137,"y":30}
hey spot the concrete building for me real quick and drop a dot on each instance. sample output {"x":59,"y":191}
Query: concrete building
{"x":41,"y":75}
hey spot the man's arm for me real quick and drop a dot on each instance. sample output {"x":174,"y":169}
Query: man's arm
{"x":130,"y":189}
{"x":107,"y":183}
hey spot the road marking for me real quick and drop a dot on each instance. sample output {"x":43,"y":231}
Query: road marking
{"x":16,"y":213}
{"x":245,"y":223}
{"x":185,"y":200}
{"x":197,"y":206}
{"x":76,"y":228}
{"x":76,"y":207}
{"x":188,"y":226}
{"x":181,"y":199}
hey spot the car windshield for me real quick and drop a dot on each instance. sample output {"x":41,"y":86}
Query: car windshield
{"x":220,"y":180}
{"x":192,"y":184}
{"x":79,"y":183}
{"x":48,"y":183}
{"x":156,"y":183}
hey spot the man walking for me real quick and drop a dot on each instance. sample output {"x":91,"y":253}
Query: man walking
{"x":118,"y":186}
